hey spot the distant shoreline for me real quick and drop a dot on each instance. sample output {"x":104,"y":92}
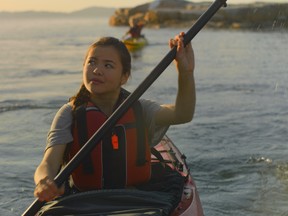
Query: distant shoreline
{"x":92,"y":12}
{"x":175,"y":13}
{"x":254,"y":16}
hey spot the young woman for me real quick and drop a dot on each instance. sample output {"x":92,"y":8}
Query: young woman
{"x":106,"y":69}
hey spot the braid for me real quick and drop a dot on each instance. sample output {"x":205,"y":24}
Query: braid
{"x":82,"y":97}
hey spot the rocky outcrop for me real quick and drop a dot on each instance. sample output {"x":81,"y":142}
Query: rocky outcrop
{"x":171,"y":13}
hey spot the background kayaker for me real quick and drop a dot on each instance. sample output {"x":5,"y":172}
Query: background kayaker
{"x":106,"y":69}
{"x":135,"y":29}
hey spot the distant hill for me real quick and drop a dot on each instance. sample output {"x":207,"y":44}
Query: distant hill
{"x":93,"y":11}
{"x":87,"y":12}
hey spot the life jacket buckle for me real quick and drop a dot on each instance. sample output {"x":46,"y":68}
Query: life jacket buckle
{"x":115,"y":142}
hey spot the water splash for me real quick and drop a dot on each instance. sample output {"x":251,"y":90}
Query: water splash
{"x":259,"y":159}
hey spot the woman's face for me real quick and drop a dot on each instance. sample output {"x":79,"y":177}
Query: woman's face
{"x":103,"y":71}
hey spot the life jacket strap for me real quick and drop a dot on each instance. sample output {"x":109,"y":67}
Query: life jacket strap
{"x":81,"y":124}
{"x":141,"y":138}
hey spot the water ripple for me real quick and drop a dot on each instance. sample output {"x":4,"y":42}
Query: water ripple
{"x":12,"y":105}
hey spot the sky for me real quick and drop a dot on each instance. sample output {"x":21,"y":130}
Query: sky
{"x":73,"y":5}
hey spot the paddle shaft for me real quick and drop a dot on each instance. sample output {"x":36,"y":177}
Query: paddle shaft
{"x":122,"y":109}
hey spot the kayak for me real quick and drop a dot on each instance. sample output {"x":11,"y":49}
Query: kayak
{"x":190,"y":204}
{"x":134,"y":44}
{"x":139,"y":201}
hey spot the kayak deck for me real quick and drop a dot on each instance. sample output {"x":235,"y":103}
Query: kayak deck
{"x":137,"y":201}
{"x":190,"y":203}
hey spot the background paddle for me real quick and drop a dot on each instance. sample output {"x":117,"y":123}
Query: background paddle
{"x":133,"y":97}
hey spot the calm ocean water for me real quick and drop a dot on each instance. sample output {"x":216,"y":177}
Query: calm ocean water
{"x":236,"y":145}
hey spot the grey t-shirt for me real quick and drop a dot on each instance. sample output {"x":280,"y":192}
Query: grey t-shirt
{"x":60,"y":131}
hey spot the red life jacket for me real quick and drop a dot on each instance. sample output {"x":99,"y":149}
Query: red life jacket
{"x":123,"y":156}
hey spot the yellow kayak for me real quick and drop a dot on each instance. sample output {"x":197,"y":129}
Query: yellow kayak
{"x":134,"y":44}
